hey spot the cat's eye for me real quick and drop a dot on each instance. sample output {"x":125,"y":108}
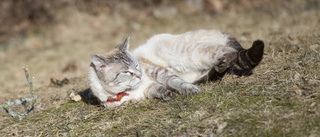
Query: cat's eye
{"x":128,"y":72}
{"x":137,"y":66}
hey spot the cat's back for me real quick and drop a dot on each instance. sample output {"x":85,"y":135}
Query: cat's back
{"x":163,"y":47}
{"x":211,"y":36}
{"x":173,"y":42}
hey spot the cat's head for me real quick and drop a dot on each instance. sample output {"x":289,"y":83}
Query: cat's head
{"x":117,"y":70}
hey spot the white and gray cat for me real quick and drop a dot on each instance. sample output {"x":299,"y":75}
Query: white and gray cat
{"x":168,"y":63}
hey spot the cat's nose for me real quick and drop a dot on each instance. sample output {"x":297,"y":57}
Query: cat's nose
{"x":139,"y":75}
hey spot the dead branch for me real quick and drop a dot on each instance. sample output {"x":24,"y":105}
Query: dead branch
{"x":22,"y":101}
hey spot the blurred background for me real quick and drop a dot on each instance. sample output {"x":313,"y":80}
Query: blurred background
{"x":54,"y":38}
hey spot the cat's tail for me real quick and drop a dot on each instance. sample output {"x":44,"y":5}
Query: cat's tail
{"x":247,"y":60}
{"x":250,"y":58}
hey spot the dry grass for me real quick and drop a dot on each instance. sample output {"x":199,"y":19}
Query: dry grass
{"x":281,"y":98}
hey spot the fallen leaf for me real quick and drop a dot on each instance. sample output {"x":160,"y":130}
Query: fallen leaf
{"x":75,"y":97}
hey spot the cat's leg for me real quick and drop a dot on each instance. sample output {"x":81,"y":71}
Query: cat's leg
{"x":171,"y":81}
{"x":222,"y":61}
{"x":156,"y":90}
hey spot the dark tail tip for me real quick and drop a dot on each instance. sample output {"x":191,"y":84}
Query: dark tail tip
{"x":258,"y":45}
{"x":256,"y":51}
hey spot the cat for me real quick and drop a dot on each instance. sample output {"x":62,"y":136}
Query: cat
{"x":168,"y":63}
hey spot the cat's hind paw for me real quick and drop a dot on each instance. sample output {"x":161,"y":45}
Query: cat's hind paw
{"x":221,"y":64}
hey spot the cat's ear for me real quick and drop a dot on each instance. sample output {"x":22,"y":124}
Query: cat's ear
{"x":98,"y":61}
{"x":125,"y":45}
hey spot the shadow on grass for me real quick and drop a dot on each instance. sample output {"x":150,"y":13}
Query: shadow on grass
{"x":88,"y":97}
{"x":214,"y":76}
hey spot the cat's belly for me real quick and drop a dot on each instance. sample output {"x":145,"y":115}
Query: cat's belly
{"x":188,"y":76}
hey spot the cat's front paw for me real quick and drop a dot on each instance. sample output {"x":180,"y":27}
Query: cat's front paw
{"x":110,"y":105}
{"x":167,"y":94}
{"x":188,"y":88}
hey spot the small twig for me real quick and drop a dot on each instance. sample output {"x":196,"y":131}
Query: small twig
{"x":30,"y":82}
{"x":22,"y":101}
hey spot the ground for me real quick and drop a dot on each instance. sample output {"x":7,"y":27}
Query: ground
{"x":281,"y":98}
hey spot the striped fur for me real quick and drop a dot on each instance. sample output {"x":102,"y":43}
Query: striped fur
{"x":168,"y":63}
{"x":170,"y":80}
